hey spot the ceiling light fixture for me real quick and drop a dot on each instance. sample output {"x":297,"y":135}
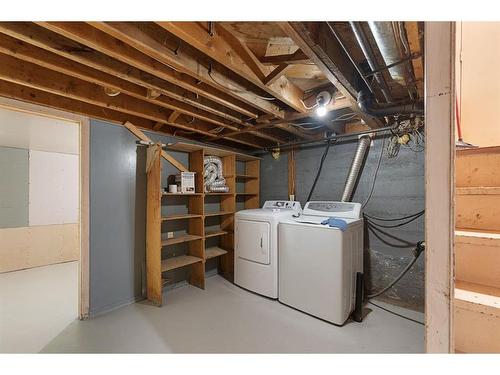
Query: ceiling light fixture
{"x":322,"y":100}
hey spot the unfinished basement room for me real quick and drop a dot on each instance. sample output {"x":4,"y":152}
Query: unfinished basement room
{"x":237,"y":187}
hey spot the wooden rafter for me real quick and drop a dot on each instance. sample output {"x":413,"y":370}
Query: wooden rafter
{"x":317,"y":42}
{"x":144,"y":52}
{"x":57,"y":63}
{"x":298,"y":57}
{"x":217,"y":48}
{"x":275,"y":74}
{"x":36,"y":77}
{"x":291,"y":117}
{"x":205,"y":97}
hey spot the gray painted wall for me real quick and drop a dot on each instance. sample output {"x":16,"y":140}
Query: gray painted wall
{"x":118,"y":216}
{"x":399,"y":191}
{"x":14,"y":187}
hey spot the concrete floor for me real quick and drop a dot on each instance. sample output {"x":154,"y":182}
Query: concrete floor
{"x":226,"y":319}
{"x":36,"y":305}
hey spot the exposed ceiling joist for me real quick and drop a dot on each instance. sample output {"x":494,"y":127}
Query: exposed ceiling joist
{"x":144,"y":52}
{"x":219,"y":49}
{"x":42,"y":79}
{"x":298,"y":57}
{"x":318,"y":43}
{"x":291,"y":117}
{"x":206,"y":98}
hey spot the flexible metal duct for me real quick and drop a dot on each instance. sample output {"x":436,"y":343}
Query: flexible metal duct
{"x":352,"y":176}
{"x":385,"y":38}
{"x":370,"y":58}
{"x":368,"y":105}
{"x":214,"y":181}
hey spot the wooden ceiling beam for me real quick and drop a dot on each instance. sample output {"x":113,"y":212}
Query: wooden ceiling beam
{"x":276,"y":74}
{"x":128,"y":43}
{"x":317,"y":42}
{"x":298,"y":57}
{"x":31,"y":95}
{"x":193,"y":93}
{"x":42,"y":79}
{"x":219,"y":49}
{"x":48,"y":60}
{"x":291,"y":117}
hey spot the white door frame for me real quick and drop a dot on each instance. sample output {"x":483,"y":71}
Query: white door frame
{"x":84,"y":133}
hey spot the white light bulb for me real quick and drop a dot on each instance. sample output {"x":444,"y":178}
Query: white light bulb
{"x":321,"y":111}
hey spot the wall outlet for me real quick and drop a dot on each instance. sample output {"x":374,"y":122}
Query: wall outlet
{"x":170,"y":234}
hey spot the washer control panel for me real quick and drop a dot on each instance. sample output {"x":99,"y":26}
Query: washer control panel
{"x":349,"y":210}
{"x":282,"y":205}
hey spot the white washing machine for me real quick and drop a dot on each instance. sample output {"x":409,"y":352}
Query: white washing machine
{"x":256,"y":246}
{"x":318,"y":263}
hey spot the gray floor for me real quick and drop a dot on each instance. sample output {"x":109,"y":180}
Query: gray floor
{"x":36,"y":305}
{"x":227,"y":319}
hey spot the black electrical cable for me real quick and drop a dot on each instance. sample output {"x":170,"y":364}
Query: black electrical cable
{"x":325,"y":153}
{"x":375,"y":174}
{"x":416,"y":253}
{"x":395,"y":225}
{"x":397,"y":314}
{"x":394,"y":219}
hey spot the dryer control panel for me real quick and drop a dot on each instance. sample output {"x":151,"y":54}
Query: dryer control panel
{"x":282,"y":205}
{"x":348,"y":210}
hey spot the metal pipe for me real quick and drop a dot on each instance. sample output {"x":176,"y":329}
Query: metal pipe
{"x":358,"y":69}
{"x":370,"y":58}
{"x":357,"y":162}
{"x":338,"y":138}
{"x":367,"y":105}
{"x":385,"y":38}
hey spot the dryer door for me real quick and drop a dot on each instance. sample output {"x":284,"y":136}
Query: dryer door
{"x":252,"y":241}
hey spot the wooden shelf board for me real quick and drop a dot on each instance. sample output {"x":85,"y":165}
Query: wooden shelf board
{"x":178,"y":262}
{"x":246,"y":194}
{"x":214,"y":251}
{"x":214,"y":233}
{"x":182,"y":194}
{"x":179,"y":217}
{"x":220,"y":213}
{"x":180,"y":239}
{"x":219,"y":194}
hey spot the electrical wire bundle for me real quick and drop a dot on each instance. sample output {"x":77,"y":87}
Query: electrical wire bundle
{"x":406,"y":135}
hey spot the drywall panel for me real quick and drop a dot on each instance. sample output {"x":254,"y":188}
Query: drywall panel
{"x":13,"y":187}
{"x":22,"y":129}
{"x":28,"y":247}
{"x":53,"y":188}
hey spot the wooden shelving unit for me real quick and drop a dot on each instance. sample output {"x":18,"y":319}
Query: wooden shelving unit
{"x":204,"y":243}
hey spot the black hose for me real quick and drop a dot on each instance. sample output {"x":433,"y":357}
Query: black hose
{"x":395,"y":225}
{"x":367,"y":104}
{"x":325,"y":153}
{"x":394,"y":219}
{"x":416,"y":253}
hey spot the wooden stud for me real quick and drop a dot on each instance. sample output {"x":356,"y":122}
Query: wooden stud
{"x":153,"y":227}
{"x":439,"y":186}
{"x":139,"y":134}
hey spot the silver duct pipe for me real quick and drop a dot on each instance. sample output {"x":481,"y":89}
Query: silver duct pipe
{"x":385,"y":38}
{"x":370,"y":58}
{"x":352,"y":176}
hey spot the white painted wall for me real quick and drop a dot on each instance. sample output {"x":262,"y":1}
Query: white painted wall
{"x":53,"y":188}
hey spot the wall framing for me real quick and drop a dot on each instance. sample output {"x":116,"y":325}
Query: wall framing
{"x":84,"y":135}
{"x":439,"y":185}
